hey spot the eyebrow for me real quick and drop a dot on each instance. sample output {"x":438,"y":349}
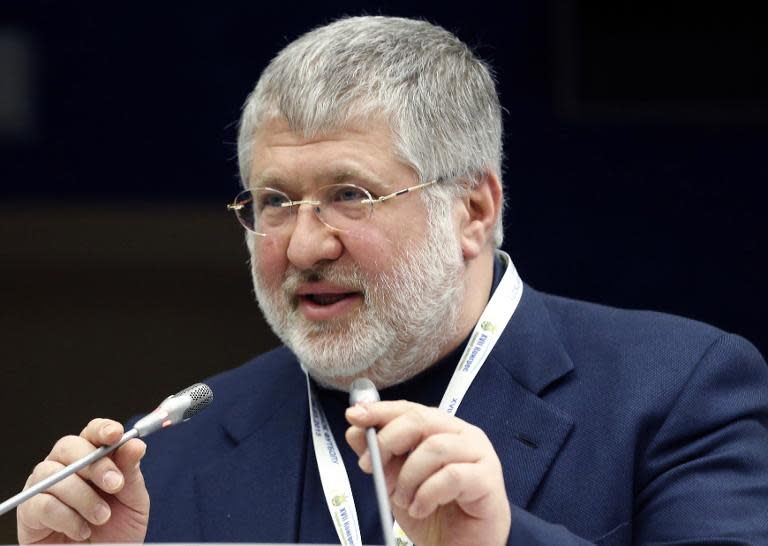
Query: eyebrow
{"x":269,"y":182}
{"x":351,"y":175}
{"x":335,"y":176}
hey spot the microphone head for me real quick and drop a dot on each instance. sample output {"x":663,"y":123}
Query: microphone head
{"x":363,"y":390}
{"x":186,"y":403}
{"x":175,"y":409}
{"x":199,"y":396}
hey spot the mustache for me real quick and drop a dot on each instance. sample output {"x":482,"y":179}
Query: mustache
{"x":346,"y":275}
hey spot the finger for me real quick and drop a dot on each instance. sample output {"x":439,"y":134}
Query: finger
{"x":469,"y":484}
{"x":391,"y":472}
{"x":128,"y":458}
{"x":44,"y":513}
{"x":74,"y":492}
{"x":374,"y":415}
{"x":377,"y":414}
{"x":103,"y":473}
{"x":358,"y":440}
{"x":102,"y":432}
{"x":391,"y":469}
{"x":406,"y":432}
{"x":430,"y":456}
{"x":355,"y":437}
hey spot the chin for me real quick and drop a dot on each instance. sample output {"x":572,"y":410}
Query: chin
{"x":331,"y":375}
{"x":331,"y":382}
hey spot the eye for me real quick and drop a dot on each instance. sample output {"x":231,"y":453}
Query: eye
{"x":270,"y":199}
{"x":346,"y":194}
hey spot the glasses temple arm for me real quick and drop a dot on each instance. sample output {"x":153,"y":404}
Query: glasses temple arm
{"x":400,"y":192}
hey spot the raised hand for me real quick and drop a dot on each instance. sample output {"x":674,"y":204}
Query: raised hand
{"x":105,"y":502}
{"x":443,"y":476}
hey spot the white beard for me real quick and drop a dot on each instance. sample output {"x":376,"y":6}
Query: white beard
{"x":407,"y":316}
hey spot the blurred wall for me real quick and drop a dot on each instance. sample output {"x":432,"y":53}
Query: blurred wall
{"x":634,"y":170}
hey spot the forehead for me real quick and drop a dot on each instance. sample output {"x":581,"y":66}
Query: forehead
{"x":361,"y":148}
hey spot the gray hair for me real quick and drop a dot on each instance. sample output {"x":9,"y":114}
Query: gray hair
{"x":438,"y":98}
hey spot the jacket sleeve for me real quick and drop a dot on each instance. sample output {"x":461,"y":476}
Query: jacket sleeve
{"x":703,"y":478}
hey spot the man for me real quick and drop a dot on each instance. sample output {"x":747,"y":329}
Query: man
{"x":370,"y":152}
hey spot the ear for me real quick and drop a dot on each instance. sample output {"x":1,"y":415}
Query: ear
{"x":479,"y":211}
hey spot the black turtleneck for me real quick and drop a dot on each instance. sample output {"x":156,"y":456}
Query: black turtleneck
{"x":426,"y":388}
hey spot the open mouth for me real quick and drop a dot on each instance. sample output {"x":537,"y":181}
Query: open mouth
{"x":330,"y":305}
{"x":327,"y":299}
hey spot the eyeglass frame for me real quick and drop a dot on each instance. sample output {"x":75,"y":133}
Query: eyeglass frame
{"x":235,"y":206}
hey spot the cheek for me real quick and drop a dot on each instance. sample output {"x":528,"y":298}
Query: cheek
{"x":268,"y":260}
{"x":375,"y":250}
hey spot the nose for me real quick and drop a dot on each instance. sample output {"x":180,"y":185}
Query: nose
{"x":311,"y":241}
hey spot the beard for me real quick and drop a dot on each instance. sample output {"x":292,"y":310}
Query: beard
{"x":407,"y":316}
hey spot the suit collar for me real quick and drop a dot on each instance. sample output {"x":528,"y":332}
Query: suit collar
{"x":258,"y":404}
{"x":530,"y":348}
{"x":507,"y":399}
{"x":253,"y":491}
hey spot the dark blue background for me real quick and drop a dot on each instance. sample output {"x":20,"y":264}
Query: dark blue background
{"x":635,"y":135}
{"x":635,"y":153}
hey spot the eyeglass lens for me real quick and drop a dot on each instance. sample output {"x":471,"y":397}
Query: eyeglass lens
{"x":267,"y":211}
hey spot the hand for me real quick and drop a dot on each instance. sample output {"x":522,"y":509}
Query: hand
{"x":105,"y":502}
{"x":443,"y":476}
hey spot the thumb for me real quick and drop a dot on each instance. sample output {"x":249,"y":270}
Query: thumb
{"x":134,"y":493}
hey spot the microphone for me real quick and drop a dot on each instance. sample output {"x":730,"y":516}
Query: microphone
{"x":174,"y":409}
{"x":363,"y":390}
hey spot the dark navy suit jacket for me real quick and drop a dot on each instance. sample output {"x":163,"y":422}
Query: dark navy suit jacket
{"x":612,"y":426}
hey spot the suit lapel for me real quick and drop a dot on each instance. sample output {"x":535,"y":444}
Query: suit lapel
{"x":253,"y":492}
{"x":505,"y":400}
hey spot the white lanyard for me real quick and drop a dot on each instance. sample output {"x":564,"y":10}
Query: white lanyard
{"x":333,"y":474}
